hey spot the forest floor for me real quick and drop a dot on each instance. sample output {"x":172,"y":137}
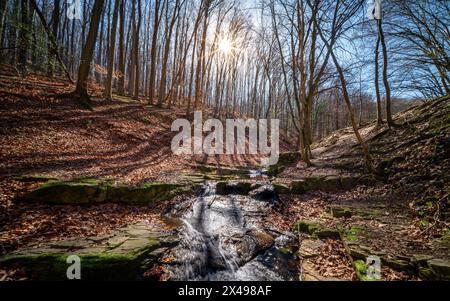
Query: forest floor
{"x":45,"y":137}
{"x":402,"y":215}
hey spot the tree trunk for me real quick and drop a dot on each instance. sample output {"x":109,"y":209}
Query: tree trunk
{"x":387,"y":87}
{"x":137,"y":76}
{"x":377,"y":83}
{"x":53,"y":47}
{"x":121,"y":81}
{"x":24,"y":37}
{"x":365,"y":148}
{"x":87,"y":53}
{"x":153,"y":53}
{"x":112,"y":47}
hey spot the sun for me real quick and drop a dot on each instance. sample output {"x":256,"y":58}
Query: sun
{"x":225,"y":46}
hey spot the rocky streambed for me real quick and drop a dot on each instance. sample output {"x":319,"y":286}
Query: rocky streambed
{"x":219,"y":234}
{"x":223,"y":237}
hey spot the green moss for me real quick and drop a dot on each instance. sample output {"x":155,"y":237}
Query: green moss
{"x":426,"y":273}
{"x":65,"y":193}
{"x":351,"y":235}
{"x":361,"y":270}
{"x":285,"y":250}
{"x":34,"y":178}
{"x":306,"y":227}
{"x":90,"y":191}
{"x":111,"y":265}
{"x":141,"y":195}
{"x":338,"y":212}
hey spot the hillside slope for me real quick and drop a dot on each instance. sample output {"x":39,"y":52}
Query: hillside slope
{"x":402,"y":216}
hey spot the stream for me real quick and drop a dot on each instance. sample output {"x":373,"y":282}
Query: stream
{"x":223,"y":237}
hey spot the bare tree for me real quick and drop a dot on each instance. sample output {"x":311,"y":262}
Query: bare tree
{"x":112,"y":47}
{"x":87,"y":53}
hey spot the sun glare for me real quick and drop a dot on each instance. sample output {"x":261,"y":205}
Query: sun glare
{"x":225,"y":46}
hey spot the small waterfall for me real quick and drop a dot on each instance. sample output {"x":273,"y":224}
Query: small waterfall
{"x":218,"y":242}
{"x":201,"y":249}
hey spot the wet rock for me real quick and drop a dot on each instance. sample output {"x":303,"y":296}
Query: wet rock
{"x":250,"y":244}
{"x":263,"y":239}
{"x":361,"y":270}
{"x":281,"y":188}
{"x":282,"y":264}
{"x":264,"y":193}
{"x":224,"y":188}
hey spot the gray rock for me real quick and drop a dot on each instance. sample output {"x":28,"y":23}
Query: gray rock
{"x":441,"y":268}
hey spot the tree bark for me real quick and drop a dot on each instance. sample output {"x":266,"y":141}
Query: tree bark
{"x":387,"y":87}
{"x":88,"y":51}
{"x":377,"y":83}
{"x":112,"y":47}
{"x":121,"y":81}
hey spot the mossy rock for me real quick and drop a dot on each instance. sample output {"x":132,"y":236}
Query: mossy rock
{"x":242,"y":188}
{"x":426,"y":273}
{"x":281,"y":188}
{"x":357,"y":253}
{"x":350,"y":236}
{"x":441,"y":268}
{"x":112,"y":265}
{"x":92,"y":191}
{"x":67,"y":193}
{"x":339,"y":212}
{"x":420,"y":260}
{"x":398,"y":264}
{"x":298,"y":187}
{"x":306,"y":227}
{"x":221,"y":171}
{"x":284,"y":160}
{"x":141,"y":195}
{"x":125,"y":259}
{"x":326,"y":233}
{"x":34,"y":178}
{"x":361,"y":270}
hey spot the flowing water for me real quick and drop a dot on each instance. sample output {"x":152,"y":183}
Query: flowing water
{"x":222,"y":239}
